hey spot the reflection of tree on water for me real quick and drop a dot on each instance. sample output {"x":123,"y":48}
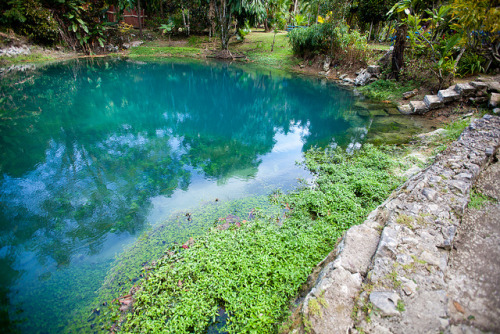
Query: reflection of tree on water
{"x":97,"y":140}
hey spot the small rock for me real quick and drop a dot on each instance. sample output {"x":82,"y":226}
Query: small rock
{"x":478,"y":100}
{"x":495,"y":100}
{"x":489,"y":151}
{"x":405,"y":109}
{"x":343,"y":76}
{"x":409,"y":287}
{"x":386,"y":301}
{"x":496,"y":110}
{"x":493,"y":86}
{"x":410,"y":94}
{"x":430,"y":194}
{"x":374,"y":69}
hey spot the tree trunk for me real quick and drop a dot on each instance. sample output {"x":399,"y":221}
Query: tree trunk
{"x":399,"y":49}
{"x":274,"y":38}
{"x":370,"y":33}
{"x":139,"y":16}
{"x":211,"y":18}
{"x":161,"y":9}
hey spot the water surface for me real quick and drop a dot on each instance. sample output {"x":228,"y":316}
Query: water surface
{"x":92,"y":153}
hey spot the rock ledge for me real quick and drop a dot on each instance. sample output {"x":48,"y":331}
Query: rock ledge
{"x":387,"y":275}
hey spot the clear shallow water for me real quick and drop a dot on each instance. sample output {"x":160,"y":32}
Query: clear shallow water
{"x":94,"y":152}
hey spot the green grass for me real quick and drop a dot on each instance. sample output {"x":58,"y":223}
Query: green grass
{"x":32,"y":58}
{"x":164,"y":51}
{"x":455,"y":128}
{"x":253,"y":271}
{"x":478,"y":200}
{"x":257,"y":47}
{"x":378,"y":46}
{"x":389,"y":90}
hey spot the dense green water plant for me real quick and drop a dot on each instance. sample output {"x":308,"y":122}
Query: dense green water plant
{"x":252,"y":270}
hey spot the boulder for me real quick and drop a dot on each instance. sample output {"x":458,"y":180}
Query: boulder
{"x":405,"y":109}
{"x":464,"y":89}
{"x":495,"y":100}
{"x":418,"y":107}
{"x":479,"y":85}
{"x":327,"y":63}
{"x":448,"y":95}
{"x":363,"y":78}
{"x":432,"y":102}
{"x":494,"y":86}
{"x":374,"y":69}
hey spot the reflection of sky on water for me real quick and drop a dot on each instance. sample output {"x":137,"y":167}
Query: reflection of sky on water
{"x":277,"y":169}
{"x":103,"y":159}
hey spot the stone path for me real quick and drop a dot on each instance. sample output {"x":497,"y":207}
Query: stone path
{"x":473,"y":277}
{"x":398,"y":272}
{"x":475,"y":92}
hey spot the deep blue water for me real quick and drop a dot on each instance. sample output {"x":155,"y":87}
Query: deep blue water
{"x":92,"y":153}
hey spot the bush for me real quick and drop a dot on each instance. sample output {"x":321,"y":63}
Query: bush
{"x":33,"y":20}
{"x":337,"y":39}
{"x":470,"y":64}
{"x":310,"y":40}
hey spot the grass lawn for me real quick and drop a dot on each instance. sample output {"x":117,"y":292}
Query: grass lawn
{"x":256,"y":47}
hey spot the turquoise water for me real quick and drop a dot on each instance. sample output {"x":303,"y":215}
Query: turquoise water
{"x":92,"y":153}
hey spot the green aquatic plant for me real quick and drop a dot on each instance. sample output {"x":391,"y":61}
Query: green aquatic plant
{"x":251,"y":270}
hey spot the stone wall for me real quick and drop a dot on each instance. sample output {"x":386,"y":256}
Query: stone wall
{"x":387,"y":274}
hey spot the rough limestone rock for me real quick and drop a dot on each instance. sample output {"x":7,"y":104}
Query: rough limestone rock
{"x":332,"y":300}
{"x":363,"y":78}
{"x":495,"y":100}
{"x":448,"y":95}
{"x":493,"y":86}
{"x":327,"y":63}
{"x":418,"y":107}
{"x":405,"y":109}
{"x":410,"y":94}
{"x":406,"y":279}
{"x":357,"y":248}
{"x":374,"y":70}
{"x":433,"y":102}
{"x":479,"y":85}
{"x":464,"y":89}
{"x":387,"y":302}
{"x":14,"y":51}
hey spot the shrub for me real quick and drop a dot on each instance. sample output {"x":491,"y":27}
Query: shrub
{"x":470,"y":64}
{"x":33,"y":20}
{"x":310,"y":40}
{"x":337,"y":39}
